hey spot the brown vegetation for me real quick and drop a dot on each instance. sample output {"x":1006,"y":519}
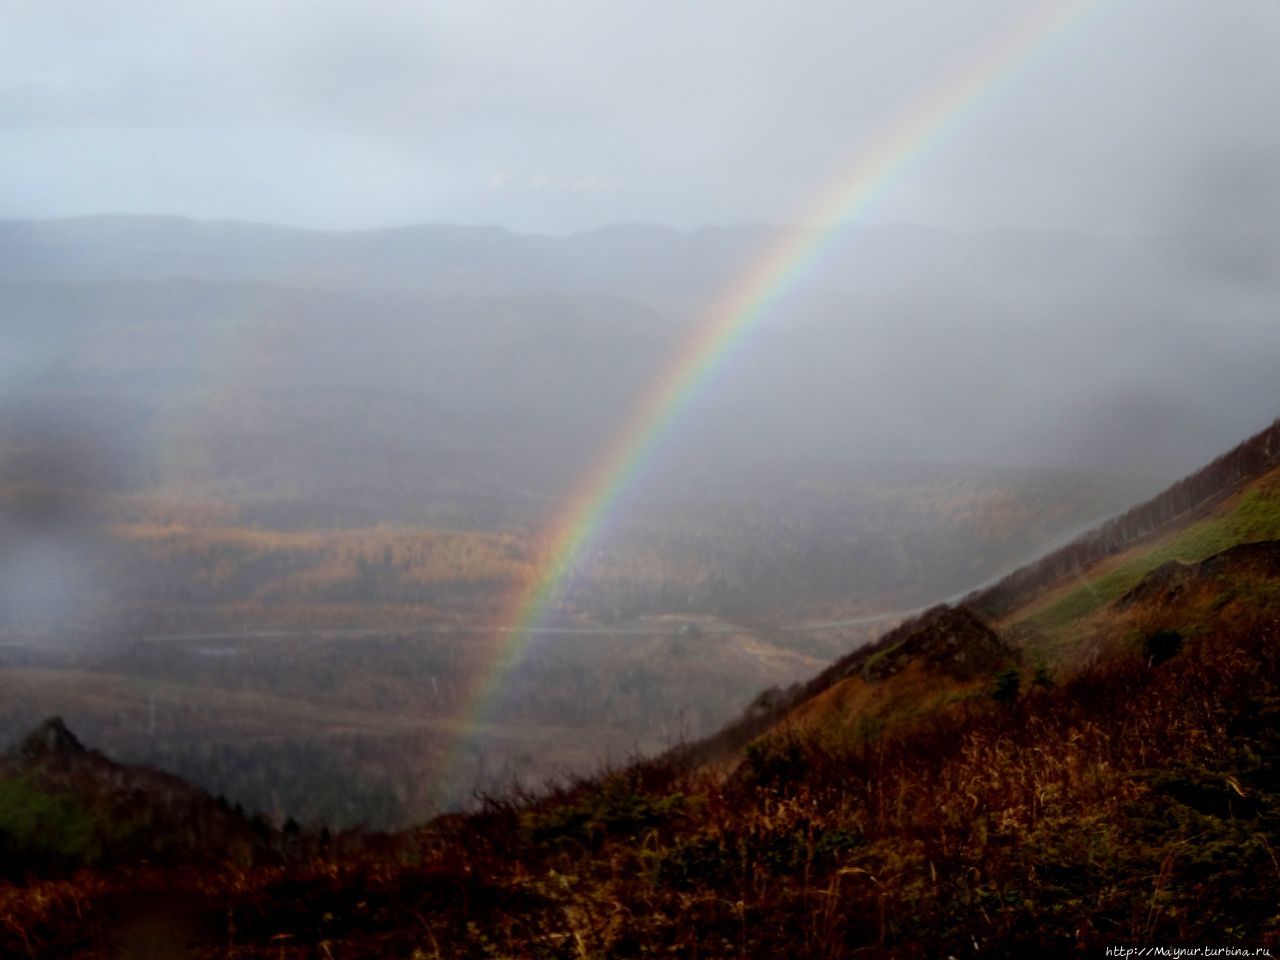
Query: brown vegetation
{"x":1133,"y":803}
{"x":929,"y":795}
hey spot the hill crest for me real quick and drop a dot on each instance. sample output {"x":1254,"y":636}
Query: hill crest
{"x":929,"y":633}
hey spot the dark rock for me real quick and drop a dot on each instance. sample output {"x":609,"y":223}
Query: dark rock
{"x":952,"y":640}
{"x":51,"y":738}
{"x":1162,"y":585}
{"x":1167,"y":582}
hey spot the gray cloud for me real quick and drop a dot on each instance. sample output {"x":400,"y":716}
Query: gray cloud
{"x":339,"y":114}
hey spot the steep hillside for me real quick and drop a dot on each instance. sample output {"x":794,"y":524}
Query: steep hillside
{"x":1073,"y":617}
{"x":1133,"y":803}
{"x":946,"y":655}
{"x":947,"y":791}
{"x":1057,"y":612}
{"x":1195,"y":515}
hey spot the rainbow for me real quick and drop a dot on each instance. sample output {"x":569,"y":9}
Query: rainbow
{"x":730,"y":323}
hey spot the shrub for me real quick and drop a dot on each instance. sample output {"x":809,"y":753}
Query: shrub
{"x":1161,"y":646}
{"x":1008,"y":683}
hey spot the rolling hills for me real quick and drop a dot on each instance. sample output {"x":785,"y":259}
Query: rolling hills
{"x":1024,"y":772}
{"x":233,"y":452}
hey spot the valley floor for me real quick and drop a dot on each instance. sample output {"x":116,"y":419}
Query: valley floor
{"x":1134,"y":803}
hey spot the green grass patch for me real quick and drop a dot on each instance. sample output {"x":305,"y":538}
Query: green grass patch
{"x":878,"y":656}
{"x":39,"y":827}
{"x":1256,"y":517}
{"x":49,"y":829}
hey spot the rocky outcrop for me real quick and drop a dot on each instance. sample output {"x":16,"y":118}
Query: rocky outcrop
{"x":50,"y":739}
{"x":1166,"y":584}
{"x":953,"y":641}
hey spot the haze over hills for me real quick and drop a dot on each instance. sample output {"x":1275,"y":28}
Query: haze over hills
{"x":1195,"y":560}
{"x":891,"y":306}
{"x":265,"y":488}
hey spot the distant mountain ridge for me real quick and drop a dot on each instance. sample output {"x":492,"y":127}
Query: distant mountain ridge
{"x":616,"y":258}
{"x":942,"y":321}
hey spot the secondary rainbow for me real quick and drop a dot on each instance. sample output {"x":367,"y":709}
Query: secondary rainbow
{"x":728,"y":325}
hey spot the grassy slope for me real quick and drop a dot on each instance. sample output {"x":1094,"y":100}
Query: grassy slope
{"x":1067,"y":623}
{"x":857,"y":709}
{"x":1059,"y":623}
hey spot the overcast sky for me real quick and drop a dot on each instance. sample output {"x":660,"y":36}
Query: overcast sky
{"x":550,"y":116}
